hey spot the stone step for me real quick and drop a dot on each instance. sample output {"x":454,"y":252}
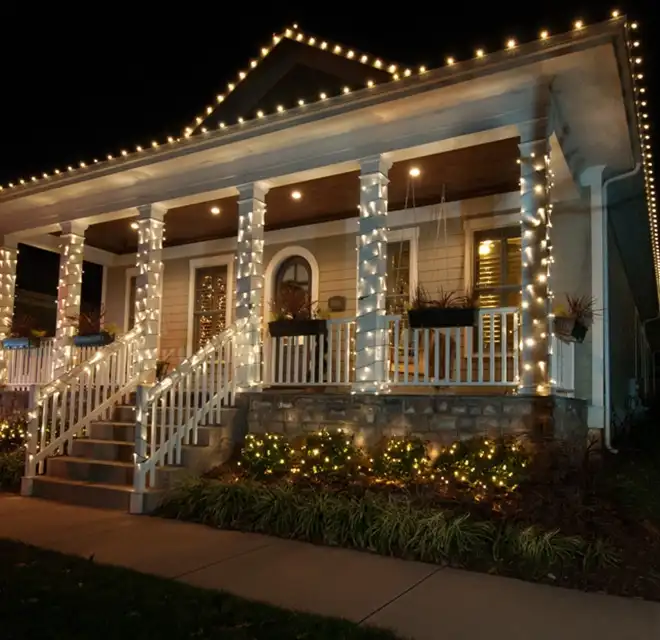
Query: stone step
{"x":98,"y":495}
{"x":114,"y":450}
{"x":106,"y":472}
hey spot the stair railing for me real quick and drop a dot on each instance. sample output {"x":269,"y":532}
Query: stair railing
{"x":168,"y":414}
{"x":64,"y":408}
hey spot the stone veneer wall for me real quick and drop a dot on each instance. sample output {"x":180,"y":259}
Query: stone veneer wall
{"x":435,"y":418}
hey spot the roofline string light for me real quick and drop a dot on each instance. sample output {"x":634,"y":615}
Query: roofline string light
{"x":511,"y":46}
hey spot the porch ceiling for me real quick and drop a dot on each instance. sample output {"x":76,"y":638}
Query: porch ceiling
{"x":464,"y":173}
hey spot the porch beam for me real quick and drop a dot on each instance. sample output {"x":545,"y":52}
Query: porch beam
{"x":149,"y":287}
{"x":69,"y":289}
{"x":250,"y":283}
{"x":536,"y":323}
{"x":8,"y":261}
{"x":370,"y":331}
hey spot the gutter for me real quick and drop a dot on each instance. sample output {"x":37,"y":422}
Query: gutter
{"x":606,"y":294}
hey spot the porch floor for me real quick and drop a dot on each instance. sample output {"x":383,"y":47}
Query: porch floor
{"x":412,"y":598}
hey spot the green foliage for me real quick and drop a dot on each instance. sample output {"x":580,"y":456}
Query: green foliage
{"x":12,"y":464}
{"x":13,"y":431}
{"x":326,"y":453}
{"x":382,"y":524}
{"x":482,"y":464}
{"x":265,"y":455}
{"x":403,"y":460}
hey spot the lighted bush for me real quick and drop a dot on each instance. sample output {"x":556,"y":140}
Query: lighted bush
{"x":403,"y":459}
{"x":267,"y":454}
{"x":482,"y":464}
{"x":13,"y":432}
{"x":327,"y":453}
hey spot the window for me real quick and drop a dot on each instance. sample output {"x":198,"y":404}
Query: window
{"x":132,"y":287}
{"x":498,"y":276}
{"x":398,"y":277}
{"x":498,"y":265}
{"x":294,"y":272}
{"x":210,"y":304}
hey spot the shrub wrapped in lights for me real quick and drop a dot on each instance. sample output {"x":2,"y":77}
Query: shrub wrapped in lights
{"x":328,"y":452}
{"x":403,"y":460}
{"x":482,"y":464}
{"x":13,"y":431}
{"x":264,"y":455}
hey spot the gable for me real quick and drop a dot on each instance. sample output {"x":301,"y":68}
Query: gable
{"x":292,"y":71}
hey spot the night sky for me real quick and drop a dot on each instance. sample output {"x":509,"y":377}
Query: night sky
{"x":77,"y":85}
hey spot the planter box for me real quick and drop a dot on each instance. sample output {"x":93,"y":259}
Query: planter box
{"x":570,"y":330}
{"x":21,"y":343}
{"x":433,"y":318}
{"x":292,"y":328}
{"x":94,"y":340}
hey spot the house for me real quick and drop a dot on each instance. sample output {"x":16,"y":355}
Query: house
{"x":520,"y":175}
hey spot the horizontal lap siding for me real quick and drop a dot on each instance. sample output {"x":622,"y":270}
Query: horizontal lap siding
{"x":115,"y":294}
{"x":174,"y":327}
{"x":441,"y":256}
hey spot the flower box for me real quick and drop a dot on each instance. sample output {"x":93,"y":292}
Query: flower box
{"x":292,"y":328}
{"x":438,"y":317}
{"x":21,"y":343}
{"x":93,"y":340}
{"x":570,"y":329}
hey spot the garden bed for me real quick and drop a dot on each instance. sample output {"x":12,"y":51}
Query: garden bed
{"x":482,"y":505}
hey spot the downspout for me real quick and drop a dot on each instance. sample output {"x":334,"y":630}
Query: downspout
{"x":607,"y":424}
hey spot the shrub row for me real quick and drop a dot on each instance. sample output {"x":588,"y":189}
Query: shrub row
{"x":384,"y":525}
{"x":479,"y":464}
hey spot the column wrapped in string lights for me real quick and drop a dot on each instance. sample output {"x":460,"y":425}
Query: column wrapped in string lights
{"x":69,"y":288}
{"x":8,"y":259}
{"x":149,"y":287}
{"x":536,"y":325}
{"x":250,"y":283}
{"x":370,"y":330}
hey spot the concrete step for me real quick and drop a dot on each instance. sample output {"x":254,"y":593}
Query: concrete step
{"x":126,"y":414}
{"x":105,"y":472}
{"x":114,"y":450}
{"x":90,"y":495}
{"x":125,"y":432}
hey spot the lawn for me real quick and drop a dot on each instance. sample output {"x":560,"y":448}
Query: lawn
{"x":44,"y":594}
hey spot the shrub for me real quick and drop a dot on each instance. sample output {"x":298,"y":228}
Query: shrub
{"x":13,"y":431}
{"x":378,"y":523}
{"x":12,"y":465}
{"x":326,"y":453}
{"x":265,"y":455}
{"x":403,"y":459}
{"x":482,"y":464}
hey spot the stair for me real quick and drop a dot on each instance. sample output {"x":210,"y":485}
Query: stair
{"x":98,"y":469}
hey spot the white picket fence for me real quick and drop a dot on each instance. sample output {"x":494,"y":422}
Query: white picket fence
{"x":27,"y":368}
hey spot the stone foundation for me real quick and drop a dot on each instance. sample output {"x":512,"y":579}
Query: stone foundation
{"x":435,"y":418}
{"x":13,"y":401}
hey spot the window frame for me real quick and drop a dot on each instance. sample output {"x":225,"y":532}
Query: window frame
{"x":226,"y":260}
{"x":297,"y":260}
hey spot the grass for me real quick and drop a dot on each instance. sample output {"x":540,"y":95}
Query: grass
{"x":44,"y":594}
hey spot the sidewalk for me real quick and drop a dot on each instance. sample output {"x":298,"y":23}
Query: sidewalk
{"x":417,"y":600}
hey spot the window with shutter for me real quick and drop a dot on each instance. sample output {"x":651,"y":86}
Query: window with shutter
{"x":210,"y":304}
{"x":132,"y":286}
{"x":398,"y":277}
{"x":497,"y":274}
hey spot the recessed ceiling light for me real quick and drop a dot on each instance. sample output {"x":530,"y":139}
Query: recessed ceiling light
{"x":215,"y":210}
{"x":134,"y":225}
{"x":414,"y":172}
{"x":296,"y":195}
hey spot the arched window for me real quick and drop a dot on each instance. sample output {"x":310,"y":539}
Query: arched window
{"x":294,"y":272}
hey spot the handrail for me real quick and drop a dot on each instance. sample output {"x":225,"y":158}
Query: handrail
{"x":169,"y":413}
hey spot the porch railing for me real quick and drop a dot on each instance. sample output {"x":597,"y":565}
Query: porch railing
{"x":168,"y":415}
{"x":458,"y":356}
{"x":63,"y":408}
{"x":27,"y":368}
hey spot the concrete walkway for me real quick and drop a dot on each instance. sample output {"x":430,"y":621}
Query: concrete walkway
{"x":417,"y":600}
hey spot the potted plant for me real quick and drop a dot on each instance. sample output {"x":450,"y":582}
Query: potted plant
{"x":22,"y":334}
{"x":92,"y":331}
{"x":572,"y":322}
{"x":294,"y":314}
{"x":448,"y":309}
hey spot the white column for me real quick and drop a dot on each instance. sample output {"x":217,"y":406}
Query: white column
{"x":8,"y":259}
{"x":370,"y":332}
{"x":536,"y":328}
{"x":72,"y":246}
{"x":149,"y":287}
{"x":250,"y":283}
